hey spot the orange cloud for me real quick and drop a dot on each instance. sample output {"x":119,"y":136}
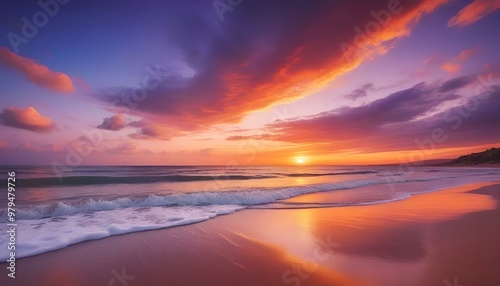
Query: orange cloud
{"x":466,"y":54}
{"x":254,"y":72}
{"x":36,"y":73}
{"x":453,"y":66}
{"x":307,"y":73}
{"x":473,"y":12}
{"x":27,"y":118}
{"x":153,"y":132}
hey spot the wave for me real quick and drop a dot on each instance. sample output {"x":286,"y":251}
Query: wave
{"x":106,"y":180}
{"x":242,"y":198}
{"x":329,"y":174}
{"x":103,"y":180}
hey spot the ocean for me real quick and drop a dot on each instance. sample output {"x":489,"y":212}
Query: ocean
{"x":94,"y":202}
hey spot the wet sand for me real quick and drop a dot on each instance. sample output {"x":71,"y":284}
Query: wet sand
{"x":449,"y":237}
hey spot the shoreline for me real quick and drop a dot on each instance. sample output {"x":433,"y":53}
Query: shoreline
{"x":352,"y":245}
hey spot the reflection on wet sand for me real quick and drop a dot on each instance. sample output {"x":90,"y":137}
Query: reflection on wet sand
{"x":385,"y":244}
{"x":416,"y":236}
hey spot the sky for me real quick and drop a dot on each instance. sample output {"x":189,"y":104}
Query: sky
{"x":241,"y":82}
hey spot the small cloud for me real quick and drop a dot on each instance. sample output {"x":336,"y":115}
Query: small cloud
{"x":3,"y":144}
{"x":454,"y":65}
{"x":139,"y":123}
{"x":360,"y":92}
{"x":473,"y":12}
{"x":115,"y":122}
{"x":126,"y":148}
{"x":154,"y":132}
{"x":36,"y":73}
{"x":451,"y":67}
{"x":27,"y":118}
{"x":465,"y":55}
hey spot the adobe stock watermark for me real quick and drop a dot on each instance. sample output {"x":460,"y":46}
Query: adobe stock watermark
{"x":372,"y":29}
{"x":223,"y":6}
{"x":39,"y":19}
{"x":120,"y":278}
{"x":86,"y":144}
{"x":302,"y":271}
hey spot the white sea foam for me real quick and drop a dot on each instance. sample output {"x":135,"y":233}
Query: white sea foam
{"x":47,"y":234}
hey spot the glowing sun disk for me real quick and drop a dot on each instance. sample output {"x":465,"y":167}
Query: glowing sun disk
{"x":300,"y":160}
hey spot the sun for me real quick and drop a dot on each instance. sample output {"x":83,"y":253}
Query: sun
{"x":300,"y":160}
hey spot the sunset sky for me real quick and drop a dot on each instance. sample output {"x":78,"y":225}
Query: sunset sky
{"x":247,"y":82}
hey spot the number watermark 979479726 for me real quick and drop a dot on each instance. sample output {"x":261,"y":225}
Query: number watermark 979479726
{"x":11,"y":223}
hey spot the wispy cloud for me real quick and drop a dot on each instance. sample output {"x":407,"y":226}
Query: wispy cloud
{"x":153,"y":132}
{"x":126,"y":148}
{"x":396,"y":121}
{"x":474,"y":12}
{"x":37,"y":73}
{"x":455,"y":83}
{"x":454,"y":65}
{"x":360,"y":92}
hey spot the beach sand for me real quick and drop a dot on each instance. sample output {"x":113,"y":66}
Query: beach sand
{"x":449,"y":237}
